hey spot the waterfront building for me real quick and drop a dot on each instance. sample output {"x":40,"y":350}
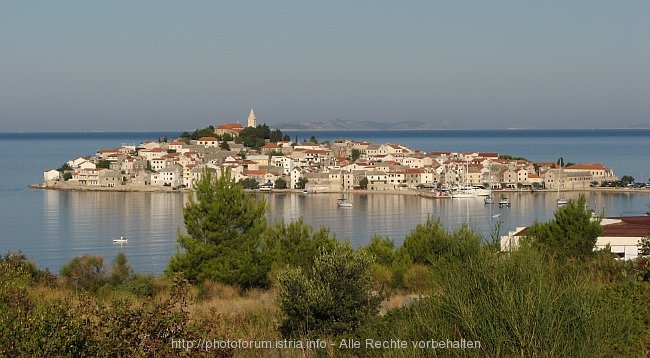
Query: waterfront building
{"x":599,"y":172}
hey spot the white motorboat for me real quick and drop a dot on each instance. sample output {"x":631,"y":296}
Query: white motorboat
{"x":463,"y":194}
{"x":505,"y":201}
{"x":488,"y":200}
{"x":481,"y":191}
{"x":343,"y":203}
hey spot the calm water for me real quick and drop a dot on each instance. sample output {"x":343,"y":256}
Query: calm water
{"x":53,"y":227}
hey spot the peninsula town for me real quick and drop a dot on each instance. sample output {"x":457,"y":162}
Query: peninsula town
{"x":273,"y":161}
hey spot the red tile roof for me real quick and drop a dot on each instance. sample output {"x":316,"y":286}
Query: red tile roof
{"x":233,"y":126}
{"x":630,"y":226}
{"x":588,"y":166}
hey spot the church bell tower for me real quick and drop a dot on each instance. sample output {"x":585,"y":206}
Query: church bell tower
{"x":252,"y":121}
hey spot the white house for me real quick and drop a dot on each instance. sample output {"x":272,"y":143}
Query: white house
{"x":51,"y":175}
{"x":170,"y":176}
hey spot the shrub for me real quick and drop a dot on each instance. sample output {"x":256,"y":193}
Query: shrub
{"x":333,"y":298}
{"x":121,"y":270}
{"x":382,"y":250}
{"x":430,"y":243}
{"x":418,"y":278}
{"x":85,"y":272}
{"x":296,"y":244}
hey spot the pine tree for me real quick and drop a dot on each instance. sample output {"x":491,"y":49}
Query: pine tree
{"x":572,"y":233}
{"x":224,"y":229}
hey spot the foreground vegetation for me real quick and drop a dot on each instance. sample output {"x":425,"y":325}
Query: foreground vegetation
{"x":239,"y":279}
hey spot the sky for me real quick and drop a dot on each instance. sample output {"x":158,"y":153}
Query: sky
{"x":180,"y":65}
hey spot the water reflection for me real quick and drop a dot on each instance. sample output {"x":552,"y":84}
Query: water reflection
{"x":78,"y":223}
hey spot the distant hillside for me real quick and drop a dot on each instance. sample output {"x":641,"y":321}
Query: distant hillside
{"x":339,"y":124}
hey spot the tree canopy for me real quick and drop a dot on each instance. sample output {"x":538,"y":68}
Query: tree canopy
{"x":572,"y":233}
{"x":224,"y":230}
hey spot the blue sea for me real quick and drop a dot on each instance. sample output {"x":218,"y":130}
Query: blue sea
{"x":52,"y":227}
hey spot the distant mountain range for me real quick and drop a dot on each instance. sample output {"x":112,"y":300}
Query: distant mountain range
{"x":339,"y":124}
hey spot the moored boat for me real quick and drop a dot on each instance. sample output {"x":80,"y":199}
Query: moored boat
{"x":120,"y":240}
{"x":343,"y":203}
{"x":505,"y":201}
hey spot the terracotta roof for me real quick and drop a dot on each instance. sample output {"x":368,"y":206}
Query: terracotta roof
{"x":208,"y":139}
{"x":630,"y":226}
{"x":588,"y":166}
{"x":230,"y":126}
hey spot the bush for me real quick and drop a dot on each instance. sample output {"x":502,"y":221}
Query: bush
{"x":295,"y":244}
{"x":332,"y":299}
{"x":418,"y":278}
{"x":121,"y":271}
{"x":86,"y":272}
{"x":382,"y":250}
{"x":430,"y":243}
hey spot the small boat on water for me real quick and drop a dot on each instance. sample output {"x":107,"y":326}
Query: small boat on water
{"x":561,"y":201}
{"x":343,"y":203}
{"x":462,"y":193}
{"x":120,"y":240}
{"x":488,"y":200}
{"x":505,"y":201}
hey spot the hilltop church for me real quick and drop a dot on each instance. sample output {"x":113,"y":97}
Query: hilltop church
{"x":235,"y":128}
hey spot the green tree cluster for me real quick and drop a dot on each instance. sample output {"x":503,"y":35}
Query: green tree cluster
{"x":249,"y":183}
{"x":363,"y":183}
{"x":103,"y":164}
{"x":301,"y":183}
{"x":198,"y":133}
{"x":280,"y":183}
{"x":254,"y":137}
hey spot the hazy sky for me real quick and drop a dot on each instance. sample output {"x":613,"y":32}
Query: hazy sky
{"x":179,"y":65}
